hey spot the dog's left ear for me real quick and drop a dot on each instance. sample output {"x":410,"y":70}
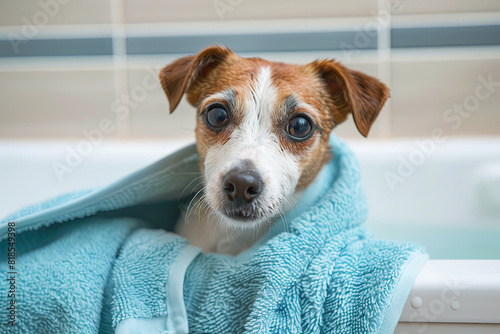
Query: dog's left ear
{"x":354,"y":92}
{"x":177,"y":77}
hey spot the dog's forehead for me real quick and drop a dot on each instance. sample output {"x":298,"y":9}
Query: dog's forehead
{"x":244,"y":75}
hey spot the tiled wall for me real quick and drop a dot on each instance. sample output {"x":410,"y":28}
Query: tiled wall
{"x":16,"y":13}
{"x":68,"y":65}
{"x":172,"y":10}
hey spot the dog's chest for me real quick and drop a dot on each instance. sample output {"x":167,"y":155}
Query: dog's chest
{"x":203,"y":229}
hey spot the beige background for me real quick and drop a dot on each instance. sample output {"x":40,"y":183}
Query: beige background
{"x":59,"y":97}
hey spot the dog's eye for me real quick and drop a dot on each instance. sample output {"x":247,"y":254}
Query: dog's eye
{"x":217,"y":117}
{"x":299,"y":128}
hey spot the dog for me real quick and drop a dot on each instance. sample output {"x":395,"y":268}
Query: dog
{"x":262,"y":131}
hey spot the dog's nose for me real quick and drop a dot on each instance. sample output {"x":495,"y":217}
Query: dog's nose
{"x":241,"y":185}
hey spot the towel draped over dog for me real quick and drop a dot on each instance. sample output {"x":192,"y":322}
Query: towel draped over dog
{"x":103,"y":261}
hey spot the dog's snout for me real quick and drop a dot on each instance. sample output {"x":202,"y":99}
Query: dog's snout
{"x":242,"y":185}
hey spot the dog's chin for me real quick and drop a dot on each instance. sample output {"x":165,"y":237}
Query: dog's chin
{"x":242,"y":216}
{"x":246,"y":216}
{"x":243,"y":222}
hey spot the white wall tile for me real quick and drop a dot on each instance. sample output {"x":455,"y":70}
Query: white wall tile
{"x":44,"y":103}
{"x":172,"y":10}
{"x":423,"y":92}
{"x":51,"y":12}
{"x":149,"y":109}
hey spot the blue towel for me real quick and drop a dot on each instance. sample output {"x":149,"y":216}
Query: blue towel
{"x":110,"y":264}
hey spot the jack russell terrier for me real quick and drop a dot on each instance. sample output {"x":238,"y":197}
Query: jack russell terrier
{"x":262,"y":131}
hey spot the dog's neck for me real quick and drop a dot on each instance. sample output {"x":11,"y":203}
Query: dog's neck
{"x":214,"y":235}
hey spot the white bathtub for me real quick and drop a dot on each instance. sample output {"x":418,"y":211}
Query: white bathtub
{"x":445,"y":197}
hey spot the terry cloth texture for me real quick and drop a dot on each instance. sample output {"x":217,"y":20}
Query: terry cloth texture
{"x":104,"y":261}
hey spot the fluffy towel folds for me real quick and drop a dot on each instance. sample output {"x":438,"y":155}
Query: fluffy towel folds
{"x":110,"y":264}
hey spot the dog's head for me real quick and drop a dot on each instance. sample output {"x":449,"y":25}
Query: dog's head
{"x":262,"y":127}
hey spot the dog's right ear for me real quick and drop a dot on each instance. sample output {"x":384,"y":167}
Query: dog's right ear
{"x":352,"y":92}
{"x":177,"y":77}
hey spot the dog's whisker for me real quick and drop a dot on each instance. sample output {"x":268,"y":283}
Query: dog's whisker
{"x":283,"y":219}
{"x":295,"y":213}
{"x":229,"y":235}
{"x":217,"y":224}
{"x":296,"y":200}
{"x":191,"y":202}
{"x":198,"y":207}
{"x":189,"y":184}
